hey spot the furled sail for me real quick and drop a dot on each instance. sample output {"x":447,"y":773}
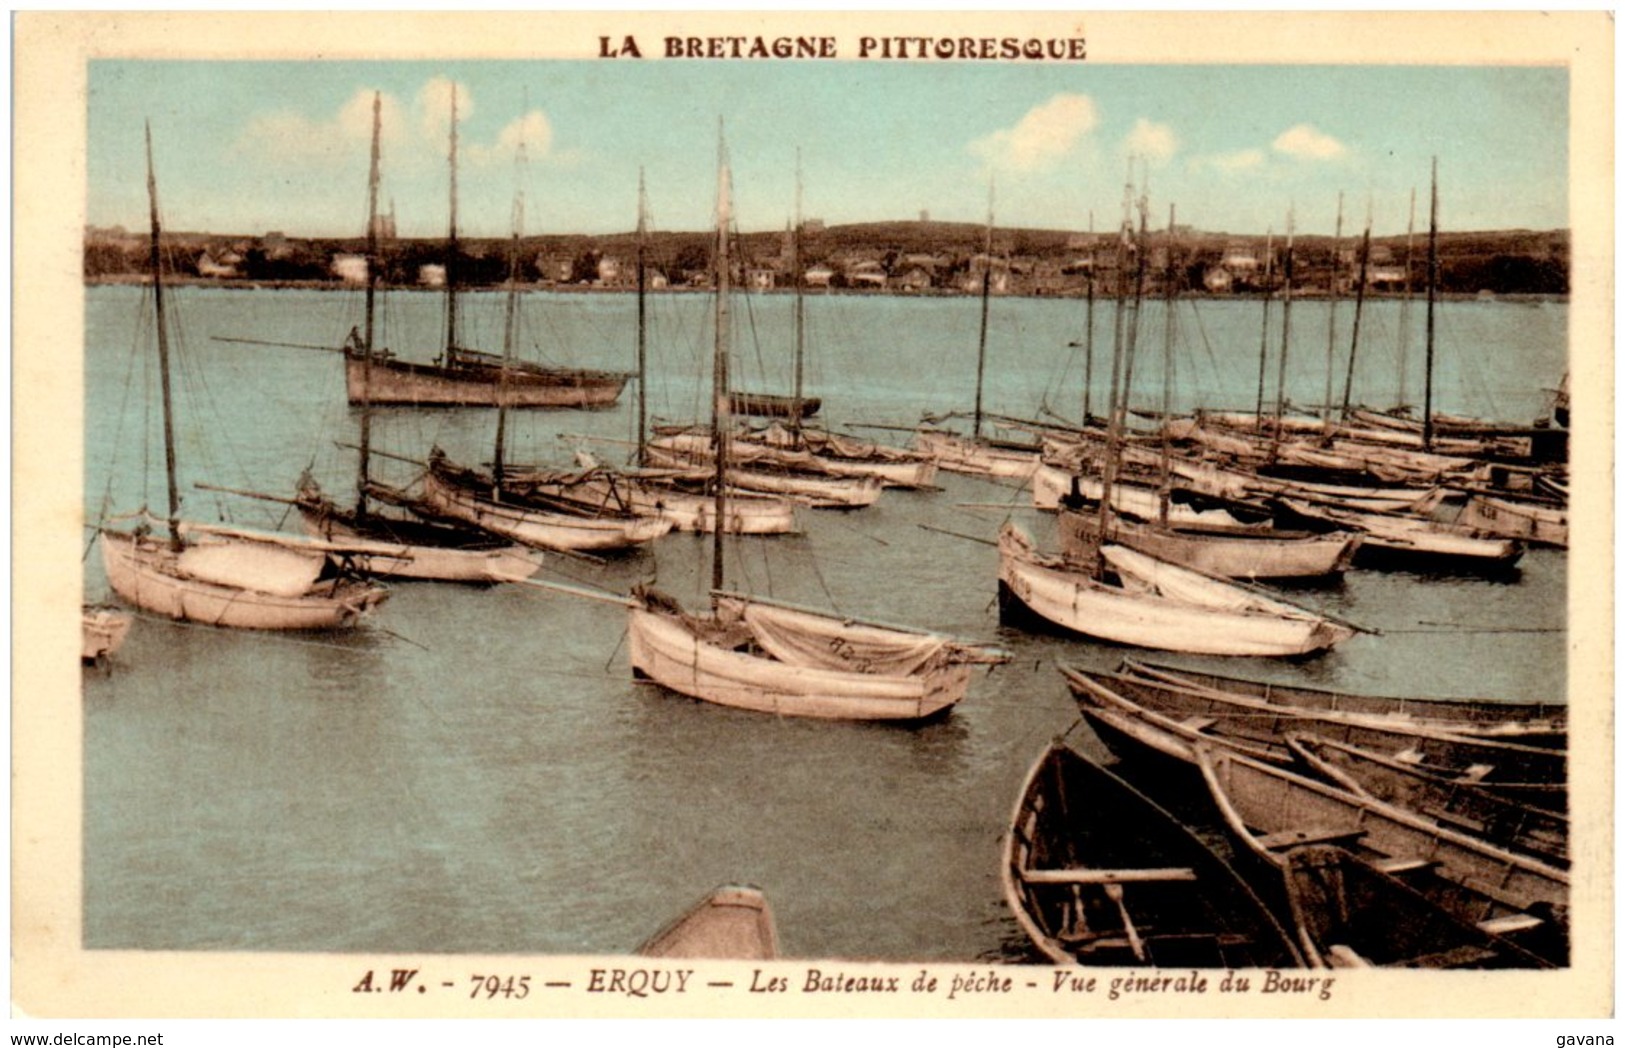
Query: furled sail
{"x":808,"y":639}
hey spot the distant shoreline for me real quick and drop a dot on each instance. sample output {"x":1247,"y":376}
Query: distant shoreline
{"x":1319,"y":295}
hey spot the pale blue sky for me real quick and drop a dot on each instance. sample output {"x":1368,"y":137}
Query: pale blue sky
{"x":245,"y":147}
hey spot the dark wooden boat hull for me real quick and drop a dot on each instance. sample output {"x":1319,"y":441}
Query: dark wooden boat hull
{"x":1350,"y":914}
{"x":1098,"y":873}
{"x":1472,"y":713}
{"x":392,"y":382}
{"x":772,"y":405}
{"x":1269,"y":812}
{"x":1263,"y":726}
{"x":1454,"y":802}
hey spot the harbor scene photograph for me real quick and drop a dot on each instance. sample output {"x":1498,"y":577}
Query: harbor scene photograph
{"x":819,"y":505}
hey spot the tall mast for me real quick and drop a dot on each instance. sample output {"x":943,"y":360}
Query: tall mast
{"x":1359,"y":304}
{"x":510,"y":319}
{"x":1433,"y":291}
{"x":798,"y":315}
{"x":643,"y":357}
{"x":1405,"y":306}
{"x":163,"y":354}
{"x":1142,"y":248}
{"x":987,"y":285}
{"x":1331,"y":318}
{"x":1165,"y":487}
{"x":719,"y":361}
{"x":362,"y":477}
{"x":1089,"y":331}
{"x":1264,"y":331}
{"x":451,"y":244}
{"x":1114,"y":419}
{"x":1286,"y":337}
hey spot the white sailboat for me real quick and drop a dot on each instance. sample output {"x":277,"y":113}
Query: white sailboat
{"x":221,"y":580}
{"x":754,"y":654}
{"x":486,"y":499}
{"x":679,"y":495}
{"x":1256,"y":550}
{"x":1124,"y":596}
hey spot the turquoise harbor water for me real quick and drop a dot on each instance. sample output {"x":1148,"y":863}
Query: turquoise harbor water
{"x":475,"y":770}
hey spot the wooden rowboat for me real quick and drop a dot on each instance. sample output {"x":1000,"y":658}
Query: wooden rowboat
{"x":1213,"y":714}
{"x":1098,"y":873}
{"x":102,"y":632}
{"x":1455,"y":802}
{"x":1269,"y":811}
{"x":734,"y":922}
{"x":1532,"y":721}
{"x":1350,"y":914}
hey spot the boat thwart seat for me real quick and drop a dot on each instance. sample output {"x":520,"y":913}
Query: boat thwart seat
{"x":1095,"y":876}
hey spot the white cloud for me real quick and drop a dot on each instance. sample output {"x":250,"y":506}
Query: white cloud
{"x":1151,"y":141}
{"x":1041,"y":137}
{"x":286,"y":137}
{"x":533,"y":129}
{"x":1306,"y":142}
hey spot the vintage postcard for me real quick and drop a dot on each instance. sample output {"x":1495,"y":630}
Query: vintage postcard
{"x":1165,"y":515}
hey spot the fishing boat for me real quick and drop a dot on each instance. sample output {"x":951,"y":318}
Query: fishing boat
{"x":1411,"y":543}
{"x":463,"y":377}
{"x":1269,"y":811}
{"x":1150,"y":603}
{"x":1531,"y":519}
{"x":1097,"y":873}
{"x":681,"y":496}
{"x":413,"y":546}
{"x":753,"y":467}
{"x":733,"y":922}
{"x":773,"y":405}
{"x":750,"y":653}
{"x":1211,"y":715}
{"x":1239,"y":551}
{"x":102,"y":632}
{"x":1110,"y":591}
{"x":840,"y":454}
{"x":487,"y":499}
{"x":432,"y":549}
{"x":1351,"y":914}
{"x":482,"y":498}
{"x":1534,"y":723}
{"x":216,"y":579}
{"x":1458,"y":802}
{"x":469,"y":378}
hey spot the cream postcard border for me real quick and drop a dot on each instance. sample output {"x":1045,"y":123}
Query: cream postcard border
{"x":53,"y":977}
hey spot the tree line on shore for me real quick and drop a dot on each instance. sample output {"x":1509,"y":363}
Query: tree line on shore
{"x":938,"y":255}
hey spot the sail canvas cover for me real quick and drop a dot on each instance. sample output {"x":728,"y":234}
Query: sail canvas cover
{"x":1179,"y":584}
{"x":260,"y":567}
{"x":806,"y":639}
